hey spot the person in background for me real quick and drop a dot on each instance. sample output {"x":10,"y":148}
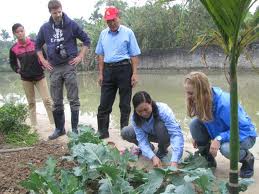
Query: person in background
{"x":24,"y":61}
{"x":154,"y":121}
{"x":60,"y":34}
{"x":210,"y":128}
{"x":117,"y":51}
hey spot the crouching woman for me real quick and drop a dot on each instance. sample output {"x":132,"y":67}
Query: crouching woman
{"x":155,"y":122}
{"x":210,"y":127}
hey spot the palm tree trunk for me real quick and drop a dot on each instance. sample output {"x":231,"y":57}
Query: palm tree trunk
{"x":234,"y":132}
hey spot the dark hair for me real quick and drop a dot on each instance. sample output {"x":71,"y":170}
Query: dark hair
{"x":54,"y":4}
{"x":15,"y":26}
{"x":142,"y":97}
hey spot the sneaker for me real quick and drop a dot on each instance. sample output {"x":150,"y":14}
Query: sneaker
{"x":161,"y":153}
{"x":247,"y":168}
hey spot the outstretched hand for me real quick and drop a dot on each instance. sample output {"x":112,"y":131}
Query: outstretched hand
{"x":214,"y":147}
{"x":47,"y":65}
{"x":156,"y":162}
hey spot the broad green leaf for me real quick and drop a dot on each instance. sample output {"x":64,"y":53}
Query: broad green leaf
{"x":187,"y":188}
{"x":111,"y":171}
{"x":69,"y":182}
{"x":155,"y":179}
{"x":106,"y":187}
{"x":244,"y":183}
{"x":92,"y":154}
{"x":169,"y":189}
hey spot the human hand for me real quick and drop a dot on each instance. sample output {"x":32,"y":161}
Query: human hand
{"x":214,"y":147}
{"x":134,"y":80}
{"x":100,"y":79}
{"x":174,"y":164}
{"x":194,"y":143}
{"x":156,"y":162}
{"x":47,"y":65}
{"x":76,"y":60}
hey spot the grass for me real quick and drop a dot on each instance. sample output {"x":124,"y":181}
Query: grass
{"x":21,"y":137}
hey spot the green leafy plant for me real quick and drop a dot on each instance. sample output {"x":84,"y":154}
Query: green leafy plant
{"x":101,"y":168}
{"x":13,"y":127}
{"x":86,"y":135}
{"x":44,"y":180}
{"x":12,"y":116}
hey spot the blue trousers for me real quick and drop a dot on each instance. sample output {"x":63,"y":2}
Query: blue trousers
{"x":200,"y":134}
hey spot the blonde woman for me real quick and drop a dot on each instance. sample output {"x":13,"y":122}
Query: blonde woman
{"x":210,"y":128}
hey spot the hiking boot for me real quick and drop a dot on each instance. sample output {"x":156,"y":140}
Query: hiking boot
{"x":161,"y":153}
{"x":247,"y":168}
{"x":56,"y":134}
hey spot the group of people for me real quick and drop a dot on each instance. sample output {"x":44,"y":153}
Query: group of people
{"x":117,"y":51}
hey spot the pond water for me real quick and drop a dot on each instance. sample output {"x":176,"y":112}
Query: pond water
{"x":164,"y":86}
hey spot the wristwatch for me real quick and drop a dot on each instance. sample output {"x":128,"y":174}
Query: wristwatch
{"x":219,"y":138}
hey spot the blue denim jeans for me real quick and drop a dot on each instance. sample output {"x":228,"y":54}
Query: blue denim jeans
{"x":200,"y":134}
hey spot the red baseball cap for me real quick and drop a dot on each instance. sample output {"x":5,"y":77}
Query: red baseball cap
{"x":111,"y":13}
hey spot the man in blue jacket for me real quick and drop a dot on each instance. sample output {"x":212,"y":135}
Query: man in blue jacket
{"x":60,"y":34}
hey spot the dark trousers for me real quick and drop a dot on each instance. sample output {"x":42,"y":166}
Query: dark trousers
{"x":115,"y":77}
{"x":200,"y":134}
{"x":161,"y":137}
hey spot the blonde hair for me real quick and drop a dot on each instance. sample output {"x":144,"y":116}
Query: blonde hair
{"x":201,"y":105}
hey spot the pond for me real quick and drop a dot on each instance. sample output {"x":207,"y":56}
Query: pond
{"x":164,"y":86}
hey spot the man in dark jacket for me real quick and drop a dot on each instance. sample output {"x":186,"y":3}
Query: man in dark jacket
{"x":60,"y":34}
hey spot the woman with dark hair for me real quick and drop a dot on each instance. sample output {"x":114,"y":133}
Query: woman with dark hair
{"x":210,"y":128}
{"x":24,"y":61}
{"x":154,"y":121}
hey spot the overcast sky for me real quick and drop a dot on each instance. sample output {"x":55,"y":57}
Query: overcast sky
{"x":33,"y":13}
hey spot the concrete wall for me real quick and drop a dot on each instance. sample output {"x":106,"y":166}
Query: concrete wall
{"x":181,"y":58}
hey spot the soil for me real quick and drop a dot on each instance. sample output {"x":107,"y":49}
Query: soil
{"x":15,"y":166}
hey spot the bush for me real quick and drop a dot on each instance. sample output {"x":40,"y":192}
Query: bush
{"x":12,"y":116}
{"x":13,"y":127}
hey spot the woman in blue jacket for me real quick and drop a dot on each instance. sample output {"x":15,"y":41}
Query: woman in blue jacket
{"x":210,"y":128}
{"x":154,"y":121}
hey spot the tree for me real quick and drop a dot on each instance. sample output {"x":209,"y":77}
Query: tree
{"x":229,"y":17}
{"x":33,"y":35}
{"x":5,"y":35}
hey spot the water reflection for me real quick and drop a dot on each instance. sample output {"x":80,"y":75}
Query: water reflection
{"x":164,"y":86}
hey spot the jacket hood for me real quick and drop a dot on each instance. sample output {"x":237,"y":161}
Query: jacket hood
{"x":66,"y":19}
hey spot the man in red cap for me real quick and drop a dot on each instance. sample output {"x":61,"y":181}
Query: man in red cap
{"x":117,"y":51}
